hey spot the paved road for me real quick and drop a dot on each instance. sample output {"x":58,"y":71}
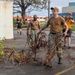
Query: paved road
{"x":67,"y":68}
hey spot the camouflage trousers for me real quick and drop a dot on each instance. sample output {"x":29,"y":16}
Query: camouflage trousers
{"x":34,"y":36}
{"x":55,"y":43}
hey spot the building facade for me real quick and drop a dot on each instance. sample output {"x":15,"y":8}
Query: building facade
{"x":72,"y":4}
{"x":68,"y":9}
{"x":6,"y":19}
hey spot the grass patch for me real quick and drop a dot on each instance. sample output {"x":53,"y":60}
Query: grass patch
{"x":25,"y":26}
{"x":41,"y":24}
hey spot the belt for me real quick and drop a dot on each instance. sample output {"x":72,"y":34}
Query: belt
{"x":55,"y":33}
{"x":34,"y":29}
{"x":52,"y":33}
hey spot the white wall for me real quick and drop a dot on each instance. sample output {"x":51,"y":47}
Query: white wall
{"x":68,"y":9}
{"x":6,"y":19}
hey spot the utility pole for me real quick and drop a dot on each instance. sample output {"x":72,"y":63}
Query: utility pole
{"x":48,"y":8}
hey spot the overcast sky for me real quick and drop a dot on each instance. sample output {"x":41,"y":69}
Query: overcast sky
{"x":54,"y":3}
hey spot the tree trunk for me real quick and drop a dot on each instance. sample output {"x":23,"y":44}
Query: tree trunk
{"x":23,"y":15}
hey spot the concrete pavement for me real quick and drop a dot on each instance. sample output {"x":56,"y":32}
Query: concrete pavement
{"x":34,"y":69}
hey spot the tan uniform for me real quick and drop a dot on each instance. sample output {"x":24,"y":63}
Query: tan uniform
{"x":34,"y":27}
{"x":55,"y":34}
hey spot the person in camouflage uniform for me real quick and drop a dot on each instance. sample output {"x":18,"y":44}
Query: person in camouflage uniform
{"x":54,"y":39}
{"x":34,"y":29}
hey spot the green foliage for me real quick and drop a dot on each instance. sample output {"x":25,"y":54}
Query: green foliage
{"x":73,"y":27}
{"x":41,"y":24}
{"x":13,"y":47}
{"x":25,"y":26}
{"x":14,"y":23}
{"x":1,"y":50}
{"x":1,"y":46}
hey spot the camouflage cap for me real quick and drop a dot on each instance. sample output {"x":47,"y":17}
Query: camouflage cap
{"x":55,"y":8}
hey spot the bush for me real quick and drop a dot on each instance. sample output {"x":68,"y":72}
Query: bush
{"x":14,"y":23}
{"x":73,"y":27}
{"x":25,"y":26}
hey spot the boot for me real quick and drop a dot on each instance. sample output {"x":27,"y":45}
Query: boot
{"x":59,"y":60}
{"x":20,"y":32}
